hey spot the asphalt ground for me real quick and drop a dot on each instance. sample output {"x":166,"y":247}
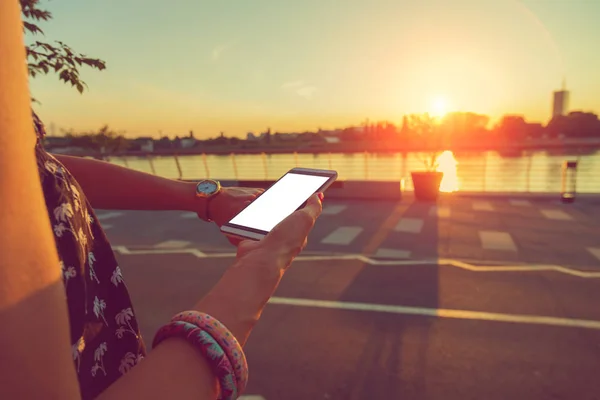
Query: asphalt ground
{"x":399,"y":310}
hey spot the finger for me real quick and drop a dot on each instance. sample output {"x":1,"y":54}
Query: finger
{"x":234,"y":241}
{"x":292,"y":231}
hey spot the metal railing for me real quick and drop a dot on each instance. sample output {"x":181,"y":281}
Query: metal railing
{"x":478,"y":174}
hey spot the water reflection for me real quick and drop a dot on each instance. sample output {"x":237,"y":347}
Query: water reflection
{"x":447,"y":164}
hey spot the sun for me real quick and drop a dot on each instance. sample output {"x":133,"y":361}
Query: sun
{"x":439,"y":106}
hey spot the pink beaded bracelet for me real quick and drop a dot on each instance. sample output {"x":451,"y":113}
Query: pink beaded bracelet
{"x":203,"y":341}
{"x":224,"y":338}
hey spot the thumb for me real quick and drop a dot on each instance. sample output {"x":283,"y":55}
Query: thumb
{"x":294,"y":229}
{"x":246,"y":246}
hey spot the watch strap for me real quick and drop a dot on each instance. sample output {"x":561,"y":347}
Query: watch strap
{"x":207,"y":206}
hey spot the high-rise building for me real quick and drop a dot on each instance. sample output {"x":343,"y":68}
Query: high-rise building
{"x":560,"y":102}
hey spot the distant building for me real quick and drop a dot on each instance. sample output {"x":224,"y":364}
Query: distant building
{"x":560,"y":102}
{"x":188,"y":142}
{"x":143,"y":144}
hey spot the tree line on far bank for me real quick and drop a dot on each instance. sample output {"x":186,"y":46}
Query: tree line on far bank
{"x":457,"y":129}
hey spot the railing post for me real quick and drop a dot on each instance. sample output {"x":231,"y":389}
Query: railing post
{"x":178,"y":166}
{"x":235,"y":170}
{"x":151,"y":165}
{"x":484,"y":173}
{"x":125,"y":162}
{"x":527,"y":188}
{"x":329,"y":159}
{"x":264,"y":159}
{"x":366,"y":166}
{"x":206,"y":169}
{"x":296,"y":158}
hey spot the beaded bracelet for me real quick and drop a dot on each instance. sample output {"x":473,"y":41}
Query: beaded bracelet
{"x":219,"y":362}
{"x":226,"y":340}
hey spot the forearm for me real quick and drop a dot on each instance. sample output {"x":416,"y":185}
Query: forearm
{"x":175,"y":369}
{"x":34,"y":338}
{"x":110,"y":186}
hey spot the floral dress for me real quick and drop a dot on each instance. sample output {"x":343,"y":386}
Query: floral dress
{"x":105,"y":338}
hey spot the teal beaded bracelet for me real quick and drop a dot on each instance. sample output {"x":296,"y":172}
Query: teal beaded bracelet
{"x":218,"y":360}
{"x":224,"y":338}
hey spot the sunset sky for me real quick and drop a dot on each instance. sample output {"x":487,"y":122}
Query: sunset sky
{"x":295,"y":65}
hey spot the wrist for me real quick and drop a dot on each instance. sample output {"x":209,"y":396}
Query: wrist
{"x":239,"y":297}
{"x":187,"y":199}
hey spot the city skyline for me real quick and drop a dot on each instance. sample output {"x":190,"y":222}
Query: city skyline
{"x":296,"y":67}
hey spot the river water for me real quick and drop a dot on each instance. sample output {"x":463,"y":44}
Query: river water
{"x":531,"y":171}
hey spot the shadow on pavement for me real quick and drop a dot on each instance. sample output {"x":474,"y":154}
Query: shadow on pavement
{"x":398,"y":285}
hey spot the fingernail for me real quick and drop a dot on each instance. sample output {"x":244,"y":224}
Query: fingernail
{"x":321,"y":196}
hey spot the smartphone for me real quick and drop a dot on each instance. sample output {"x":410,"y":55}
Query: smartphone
{"x":288,"y":194}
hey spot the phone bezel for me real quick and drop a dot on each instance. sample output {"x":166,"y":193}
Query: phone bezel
{"x":245,"y":232}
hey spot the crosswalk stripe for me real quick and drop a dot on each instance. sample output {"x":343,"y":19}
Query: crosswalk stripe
{"x":251,"y":397}
{"x":108,"y":215}
{"x":519,"y":203}
{"x":333,"y":209}
{"x":440,"y":211}
{"x":595,"y":251}
{"x":556,"y":215}
{"x":392,"y":253}
{"x":189,"y":215}
{"x":342,"y":235}
{"x":495,"y":240}
{"x":482,"y":206}
{"x":409,"y":225}
{"x":172,"y":244}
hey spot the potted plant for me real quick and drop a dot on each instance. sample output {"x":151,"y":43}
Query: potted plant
{"x":427,"y":133}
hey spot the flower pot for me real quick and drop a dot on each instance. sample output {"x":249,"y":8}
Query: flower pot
{"x":427,"y":185}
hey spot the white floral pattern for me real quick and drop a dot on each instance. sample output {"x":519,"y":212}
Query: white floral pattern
{"x":116,"y":277}
{"x":123,"y":319}
{"x":99,"y":359}
{"x":99,"y":306}
{"x":63,"y":212}
{"x":105,"y":339}
{"x":76,"y":197}
{"x":91,"y":261}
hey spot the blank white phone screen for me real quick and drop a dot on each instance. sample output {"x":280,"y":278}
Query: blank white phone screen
{"x":279,"y":201}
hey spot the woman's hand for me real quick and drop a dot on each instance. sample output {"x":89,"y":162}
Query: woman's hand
{"x":285,"y":241}
{"x":238,"y":299}
{"x":228,"y":203}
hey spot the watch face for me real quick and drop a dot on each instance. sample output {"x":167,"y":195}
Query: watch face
{"x":207,"y":187}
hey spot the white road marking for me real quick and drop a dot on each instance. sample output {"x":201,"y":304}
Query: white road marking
{"x":251,"y":397}
{"x":519,"y":203}
{"x":440,"y":211}
{"x":359,"y":257}
{"x":410,"y":225}
{"x":189,"y":215}
{"x":106,"y":226}
{"x":392,"y":253}
{"x":108,"y":215}
{"x":595,"y":251}
{"x":125,"y":251}
{"x":172,"y":244}
{"x":440,"y":313}
{"x":482,"y":206}
{"x":333,"y":209}
{"x":343,"y":235}
{"x":557,"y":215}
{"x":494,"y":240}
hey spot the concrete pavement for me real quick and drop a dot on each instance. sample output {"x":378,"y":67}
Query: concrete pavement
{"x":510,"y":313}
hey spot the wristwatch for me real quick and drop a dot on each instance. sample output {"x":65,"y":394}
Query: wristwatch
{"x":208,"y":189}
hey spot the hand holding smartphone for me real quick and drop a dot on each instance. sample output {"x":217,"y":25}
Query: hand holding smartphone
{"x":288,"y":194}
